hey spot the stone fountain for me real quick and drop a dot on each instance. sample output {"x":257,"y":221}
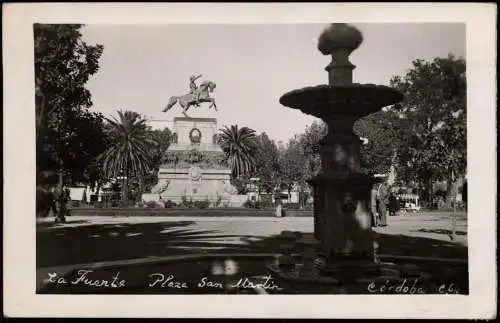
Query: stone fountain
{"x":343,"y":243}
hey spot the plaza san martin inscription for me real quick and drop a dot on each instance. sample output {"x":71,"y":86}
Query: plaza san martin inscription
{"x":86,"y":278}
{"x":263,"y":283}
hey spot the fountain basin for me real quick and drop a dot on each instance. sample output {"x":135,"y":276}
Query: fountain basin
{"x":356,"y":100}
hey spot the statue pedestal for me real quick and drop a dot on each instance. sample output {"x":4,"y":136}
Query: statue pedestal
{"x":194,"y":167}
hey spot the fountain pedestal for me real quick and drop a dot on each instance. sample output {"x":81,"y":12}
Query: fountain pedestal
{"x":342,"y":218}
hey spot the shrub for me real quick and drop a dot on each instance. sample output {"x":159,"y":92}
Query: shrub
{"x":440,"y":194}
{"x":266,"y":204}
{"x":309,"y":207}
{"x":258,"y":204}
{"x":75,"y":203}
{"x":125,"y":204}
{"x":169,"y":204}
{"x":249,"y":204}
{"x":151,"y":204}
{"x":202,"y":204}
{"x":218,"y":202}
{"x":441,"y":203}
{"x":99,"y":204}
{"x":292,"y":206}
{"x":187,"y":204}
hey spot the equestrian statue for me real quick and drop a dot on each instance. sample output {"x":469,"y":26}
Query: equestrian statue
{"x":195,"y":96}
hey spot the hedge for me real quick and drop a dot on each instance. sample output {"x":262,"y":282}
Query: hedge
{"x":211,"y":212}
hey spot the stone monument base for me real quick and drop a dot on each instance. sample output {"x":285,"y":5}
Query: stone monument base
{"x":194,"y":168}
{"x":194,"y":184}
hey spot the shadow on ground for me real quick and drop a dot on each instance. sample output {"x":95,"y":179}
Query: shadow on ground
{"x":59,"y":246}
{"x":49,"y":225}
{"x":440,"y":231}
{"x":119,"y":241}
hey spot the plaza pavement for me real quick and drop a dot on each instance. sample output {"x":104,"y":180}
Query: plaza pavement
{"x":434,"y":225}
{"x":96,"y":240}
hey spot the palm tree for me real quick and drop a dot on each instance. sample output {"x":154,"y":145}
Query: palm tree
{"x":239,"y":145}
{"x":127,"y":154}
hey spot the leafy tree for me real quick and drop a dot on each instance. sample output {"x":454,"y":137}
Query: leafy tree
{"x":310,"y":142}
{"x":294,"y":165}
{"x":127,"y":155}
{"x":381,"y":130}
{"x":433,"y":127}
{"x":239,"y":145}
{"x":240,"y":183}
{"x":156,"y":154}
{"x":267,"y":163}
{"x":68,"y":135}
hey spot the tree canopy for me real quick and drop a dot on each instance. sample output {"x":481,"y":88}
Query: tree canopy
{"x":267,"y":165}
{"x":239,"y":145}
{"x":381,"y":131}
{"x":156,"y":154}
{"x":423,"y":137}
{"x":68,"y":135}
{"x":128,"y":152}
{"x":433,"y":120}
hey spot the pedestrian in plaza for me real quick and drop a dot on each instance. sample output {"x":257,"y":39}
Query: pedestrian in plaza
{"x":464,"y":194}
{"x":393,"y":204}
{"x":279,"y":209}
{"x":373,"y":204}
{"x":383,"y":201}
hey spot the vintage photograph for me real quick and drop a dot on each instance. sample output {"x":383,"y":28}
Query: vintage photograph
{"x":251,"y":159}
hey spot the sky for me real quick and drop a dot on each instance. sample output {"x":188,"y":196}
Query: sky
{"x":142,"y":66}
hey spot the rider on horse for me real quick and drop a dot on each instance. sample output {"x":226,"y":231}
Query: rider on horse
{"x":193,"y":89}
{"x":195,"y":96}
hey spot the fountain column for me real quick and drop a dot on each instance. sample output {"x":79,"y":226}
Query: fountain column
{"x":345,"y":230}
{"x":341,"y":191}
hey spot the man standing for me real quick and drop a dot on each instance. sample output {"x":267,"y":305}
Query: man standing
{"x":383,"y":201}
{"x":373,"y":205}
{"x":393,"y":204}
{"x":464,"y":194}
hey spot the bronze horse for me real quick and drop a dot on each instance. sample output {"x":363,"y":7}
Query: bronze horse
{"x":188,"y":100}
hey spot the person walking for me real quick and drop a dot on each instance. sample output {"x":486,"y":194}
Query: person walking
{"x":373,"y":205}
{"x":393,"y":204}
{"x":464,"y":194}
{"x":383,"y":201}
{"x":279,"y":209}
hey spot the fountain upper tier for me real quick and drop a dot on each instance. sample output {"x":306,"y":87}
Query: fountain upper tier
{"x":341,"y":97}
{"x":356,"y":100}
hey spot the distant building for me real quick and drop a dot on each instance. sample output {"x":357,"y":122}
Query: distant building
{"x":78,"y":193}
{"x":253,"y":193}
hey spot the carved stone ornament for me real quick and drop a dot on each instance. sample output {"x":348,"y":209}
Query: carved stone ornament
{"x":194,"y":156}
{"x":195,"y":136}
{"x":195,"y":173}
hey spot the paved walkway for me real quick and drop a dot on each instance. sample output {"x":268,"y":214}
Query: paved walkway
{"x":95,"y":240}
{"x":426,"y":225}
